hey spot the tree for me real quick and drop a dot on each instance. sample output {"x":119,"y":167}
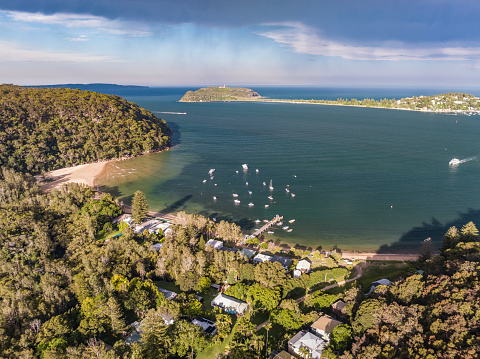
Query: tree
{"x":139,"y":207}
{"x":223,"y":323}
{"x":155,"y":340}
{"x":341,"y":337}
{"x":267,"y":327}
{"x":469,"y":232}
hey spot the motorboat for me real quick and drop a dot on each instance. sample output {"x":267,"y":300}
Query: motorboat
{"x":246,"y":183}
{"x":214,"y":198}
{"x":270,"y":232}
{"x":250,"y":192}
{"x":290,"y":230}
{"x":292,"y":194}
{"x":271,"y":186}
{"x":235,"y":195}
{"x":251,"y":204}
{"x":256,"y":170}
{"x":265,"y":220}
{"x":264,"y":184}
{"x":212,"y":177}
{"x":236,"y":200}
{"x":279,"y":223}
{"x":267,"y":205}
{"x":291,"y":221}
{"x":210,"y":172}
{"x":270,"y":198}
{"x":285,"y":228}
{"x":245,"y":167}
{"x":454,"y":162}
{"x":287,"y":190}
{"x":204,"y":181}
{"x":257,"y":221}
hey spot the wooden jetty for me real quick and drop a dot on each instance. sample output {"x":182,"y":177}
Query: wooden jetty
{"x":276,"y":219}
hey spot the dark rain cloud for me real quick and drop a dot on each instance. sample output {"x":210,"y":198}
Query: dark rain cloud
{"x":376,"y":20}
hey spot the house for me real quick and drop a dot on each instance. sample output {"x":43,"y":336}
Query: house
{"x":229,"y":249}
{"x":304,"y":266}
{"x":297,"y":273}
{"x":324,"y":326}
{"x":282,"y":355}
{"x":146,"y":226}
{"x":214,"y":244}
{"x":137,"y":332}
{"x":168,"y":294}
{"x":229,"y":304}
{"x":285,"y":262}
{"x":260,"y":258}
{"x":165,"y":227}
{"x":249,"y":253}
{"x":127,"y":218}
{"x":375,"y":284}
{"x":339,"y":307}
{"x":207,"y":325}
{"x":314,"y":344}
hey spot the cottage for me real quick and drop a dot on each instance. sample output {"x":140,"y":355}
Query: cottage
{"x":324,"y":326}
{"x":304,"y":266}
{"x":214,"y":244}
{"x":168,"y":294}
{"x":314,"y":344}
{"x":339,"y":307}
{"x":229,"y":304}
{"x":285,"y":262}
{"x":260,"y":258}
{"x":375,"y":284}
{"x":249,"y":253}
{"x":207,"y":325}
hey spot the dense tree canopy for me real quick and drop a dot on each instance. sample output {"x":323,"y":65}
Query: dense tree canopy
{"x":43,"y":129}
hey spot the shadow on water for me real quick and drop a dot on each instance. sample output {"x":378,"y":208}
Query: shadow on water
{"x":412,"y":240}
{"x":177,"y":205}
{"x":113,"y":190}
{"x":245,"y":223}
{"x":176,"y":137}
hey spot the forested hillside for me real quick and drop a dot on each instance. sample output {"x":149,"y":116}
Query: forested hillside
{"x":435,"y":314}
{"x":43,"y":129}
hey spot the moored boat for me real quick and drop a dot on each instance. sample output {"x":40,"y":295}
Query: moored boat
{"x":454,"y":162}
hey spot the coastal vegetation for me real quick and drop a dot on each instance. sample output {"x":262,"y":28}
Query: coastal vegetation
{"x":68,"y":292}
{"x":447,"y":102}
{"x":42,"y":129}
{"x":211,"y":94}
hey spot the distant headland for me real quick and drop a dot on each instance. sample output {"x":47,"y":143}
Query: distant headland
{"x":219,"y":94}
{"x":447,"y":102}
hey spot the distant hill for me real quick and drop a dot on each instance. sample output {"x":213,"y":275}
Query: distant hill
{"x":95,"y":87}
{"x":212,"y":94}
{"x":42,"y":129}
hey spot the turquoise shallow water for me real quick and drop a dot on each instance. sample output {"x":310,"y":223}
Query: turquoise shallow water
{"x":364,"y":179}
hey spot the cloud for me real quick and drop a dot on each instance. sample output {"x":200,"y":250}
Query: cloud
{"x":77,"y":39}
{"x":11,"y":52}
{"x":114,"y":27}
{"x":306,"y":40}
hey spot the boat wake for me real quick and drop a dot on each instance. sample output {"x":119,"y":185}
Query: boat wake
{"x":456,"y":161}
{"x":172,"y":113}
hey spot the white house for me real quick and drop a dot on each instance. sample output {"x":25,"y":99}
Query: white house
{"x":304,"y":266}
{"x":229,"y":304}
{"x":310,"y":341}
{"x":324,"y":326}
{"x":260,"y":258}
{"x":207,"y":325}
{"x":214,"y":243}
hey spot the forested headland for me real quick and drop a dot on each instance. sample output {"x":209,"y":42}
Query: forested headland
{"x":42,"y":129}
{"x":212,"y":94}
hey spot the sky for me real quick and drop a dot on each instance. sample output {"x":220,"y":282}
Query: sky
{"x":358,"y":43}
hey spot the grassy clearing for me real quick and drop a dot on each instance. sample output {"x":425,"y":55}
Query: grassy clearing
{"x":171,"y":286}
{"x":210,"y":352}
{"x":377,"y":270}
{"x":106,"y":236}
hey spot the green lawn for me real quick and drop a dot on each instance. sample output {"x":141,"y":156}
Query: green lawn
{"x":259,"y":317}
{"x":108,"y":235}
{"x":210,"y":352}
{"x":171,"y":286}
{"x":376,"y":271}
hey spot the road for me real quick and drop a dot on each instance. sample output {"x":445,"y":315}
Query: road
{"x":359,"y":270}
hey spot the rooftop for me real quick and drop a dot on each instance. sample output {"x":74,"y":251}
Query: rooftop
{"x":326,"y":324}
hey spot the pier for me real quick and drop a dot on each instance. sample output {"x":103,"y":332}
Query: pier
{"x":276,"y":219}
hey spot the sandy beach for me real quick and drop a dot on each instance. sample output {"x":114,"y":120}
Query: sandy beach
{"x":87,"y":174}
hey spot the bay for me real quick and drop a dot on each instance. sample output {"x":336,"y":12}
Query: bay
{"x":363,"y":178}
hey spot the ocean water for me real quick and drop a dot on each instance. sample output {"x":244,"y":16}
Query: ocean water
{"x":363,"y":178}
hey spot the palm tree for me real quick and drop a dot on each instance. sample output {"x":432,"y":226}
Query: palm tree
{"x":267,"y":328}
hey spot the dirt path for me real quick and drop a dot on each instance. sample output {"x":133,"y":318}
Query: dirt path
{"x":359,"y":270}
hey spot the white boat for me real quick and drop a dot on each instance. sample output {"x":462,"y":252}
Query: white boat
{"x":214,"y":198}
{"x":290,"y":230}
{"x":271,"y":186}
{"x":215,"y":185}
{"x":256,"y":170}
{"x":212,"y":177}
{"x":287,"y":190}
{"x":251,"y":204}
{"x":204,"y":181}
{"x":250,"y":192}
{"x":291,"y":221}
{"x":270,"y":232}
{"x":285,"y":228}
{"x":270,"y":198}
{"x":236,"y":200}
{"x":235,"y":195}
{"x":236,"y":171}
{"x":245,"y":167}
{"x":246,"y":183}
{"x":264,"y":184}
{"x":257,"y":221}
{"x":292,"y":194}
{"x":454,"y":162}
{"x":279,"y":223}
{"x":211,"y":171}
{"x":265,"y":220}
{"x":267,"y":205}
